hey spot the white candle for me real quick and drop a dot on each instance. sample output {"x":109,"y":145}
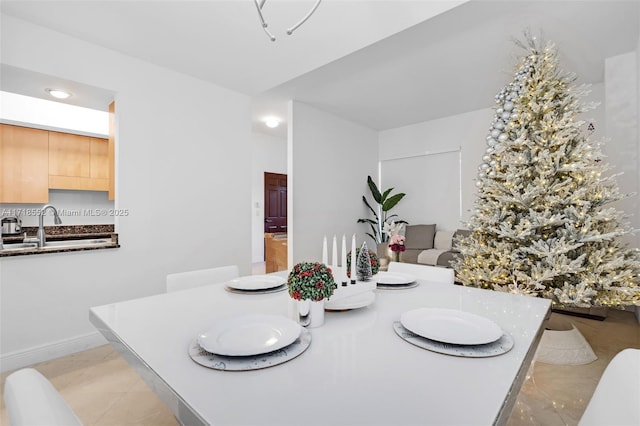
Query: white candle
{"x":343,"y":260}
{"x":334,"y":253}
{"x":324,"y":251}
{"x":353,"y":259}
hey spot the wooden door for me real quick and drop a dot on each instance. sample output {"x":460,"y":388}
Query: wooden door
{"x":275,"y":202}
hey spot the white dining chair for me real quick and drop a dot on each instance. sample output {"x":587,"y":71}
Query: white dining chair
{"x":191,"y":279}
{"x":616,"y":400}
{"x":425,"y":272}
{"x":30,"y":399}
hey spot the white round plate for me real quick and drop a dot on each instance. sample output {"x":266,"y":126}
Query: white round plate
{"x":256,"y":282}
{"x":248,"y":335}
{"x":451,"y":326}
{"x":357,"y":301}
{"x":394,"y":278}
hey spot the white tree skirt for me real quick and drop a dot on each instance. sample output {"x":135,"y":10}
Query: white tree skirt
{"x":567,"y":347}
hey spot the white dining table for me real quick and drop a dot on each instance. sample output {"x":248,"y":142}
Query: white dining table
{"x":356,"y":371}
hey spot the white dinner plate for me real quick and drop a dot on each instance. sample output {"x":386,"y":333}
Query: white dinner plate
{"x":394,"y":278}
{"x":256,"y":282}
{"x":250,"y":334}
{"x":353,"y":302}
{"x":451,"y":326}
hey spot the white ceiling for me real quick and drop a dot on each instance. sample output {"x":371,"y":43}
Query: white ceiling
{"x":381,"y":63}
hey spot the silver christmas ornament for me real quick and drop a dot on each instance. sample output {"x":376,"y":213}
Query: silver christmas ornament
{"x":506,"y":115}
{"x":495,"y":133}
{"x":503,"y":137}
{"x":499,"y":125}
{"x":484,"y":166}
{"x":493,"y":163}
{"x":486,"y":158}
{"x":492,"y":142}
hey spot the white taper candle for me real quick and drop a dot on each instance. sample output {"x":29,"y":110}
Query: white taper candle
{"x":324,"y":251}
{"x":334,"y":253}
{"x":343,"y":259}
{"x":353,"y":259}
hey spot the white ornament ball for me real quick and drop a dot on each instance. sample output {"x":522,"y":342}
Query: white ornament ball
{"x":506,"y":115}
{"x":503,"y":137}
{"x":495,"y":133}
{"x":486,"y":158}
{"x":508,"y":106}
{"x":492,"y":174}
{"x":499,"y":125}
{"x":484,"y":166}
{"x":493,"y":163}
{"x":492,"y":142}
{"x":489,"y":150}
{"x":478,"y":183}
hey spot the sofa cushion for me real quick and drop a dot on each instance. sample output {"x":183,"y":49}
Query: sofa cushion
{"x":443,"y":240}
{"x":419,"y":236}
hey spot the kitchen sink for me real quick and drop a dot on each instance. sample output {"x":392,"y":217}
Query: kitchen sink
{"x":57,"y":244}
{"x":76,"y":243}
{"x":19,"y":246}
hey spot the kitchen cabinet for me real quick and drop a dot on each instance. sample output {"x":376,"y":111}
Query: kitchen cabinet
{"x":275,"y":252}
{"x":78,"y":162}
{"x":24,"y":165}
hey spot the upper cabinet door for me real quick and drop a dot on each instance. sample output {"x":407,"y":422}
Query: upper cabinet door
{"x":69,"y":155}
{"x":24,"y":165}
{"x":78,"y":162}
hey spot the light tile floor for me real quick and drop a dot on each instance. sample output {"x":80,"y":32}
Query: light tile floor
{"x":103,"y":389}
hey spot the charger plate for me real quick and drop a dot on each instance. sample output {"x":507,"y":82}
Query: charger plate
{"x":397,"y":286}
{"x":246,"y":363}
{"x":501,"y":346}
{"x":256,"y":282}
{"x":280,"y":288}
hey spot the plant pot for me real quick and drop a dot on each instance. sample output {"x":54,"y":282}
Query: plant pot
{"x":310,"y":313}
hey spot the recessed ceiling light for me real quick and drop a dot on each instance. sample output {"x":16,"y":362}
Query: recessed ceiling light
{"x":57,"y":93}
{"x":272,"y":122}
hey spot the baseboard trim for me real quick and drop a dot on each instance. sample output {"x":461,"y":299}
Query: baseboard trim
{"x":20,"y":359}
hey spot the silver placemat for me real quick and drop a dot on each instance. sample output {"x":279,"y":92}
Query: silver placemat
{"x":499,"y":347}
{"x":397,"y":286}
{"x":259,"y":291}
{"x":256,"y":362}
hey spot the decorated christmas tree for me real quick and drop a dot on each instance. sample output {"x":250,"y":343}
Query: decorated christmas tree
{"x":363,"y":264}
{"x":543,"y":224}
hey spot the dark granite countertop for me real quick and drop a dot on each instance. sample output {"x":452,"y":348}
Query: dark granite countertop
{"x":63,"y":233}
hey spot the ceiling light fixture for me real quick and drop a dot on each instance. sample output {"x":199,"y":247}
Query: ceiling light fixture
{"x":271,"y":122}
{"x":57,"y":93}
{"x":260,"y":5}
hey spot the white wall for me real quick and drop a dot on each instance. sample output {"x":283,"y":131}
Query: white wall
{"x":329,"y":159}
{"x":466,"y":131}
{"x":621,"y":148}
{"x":182,"y":172}
{"x":269,"y":155}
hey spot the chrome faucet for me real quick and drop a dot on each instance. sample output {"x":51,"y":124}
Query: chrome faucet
{"x":42,"y":239}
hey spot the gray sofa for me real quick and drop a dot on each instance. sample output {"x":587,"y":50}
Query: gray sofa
{"x":430,"y":246}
